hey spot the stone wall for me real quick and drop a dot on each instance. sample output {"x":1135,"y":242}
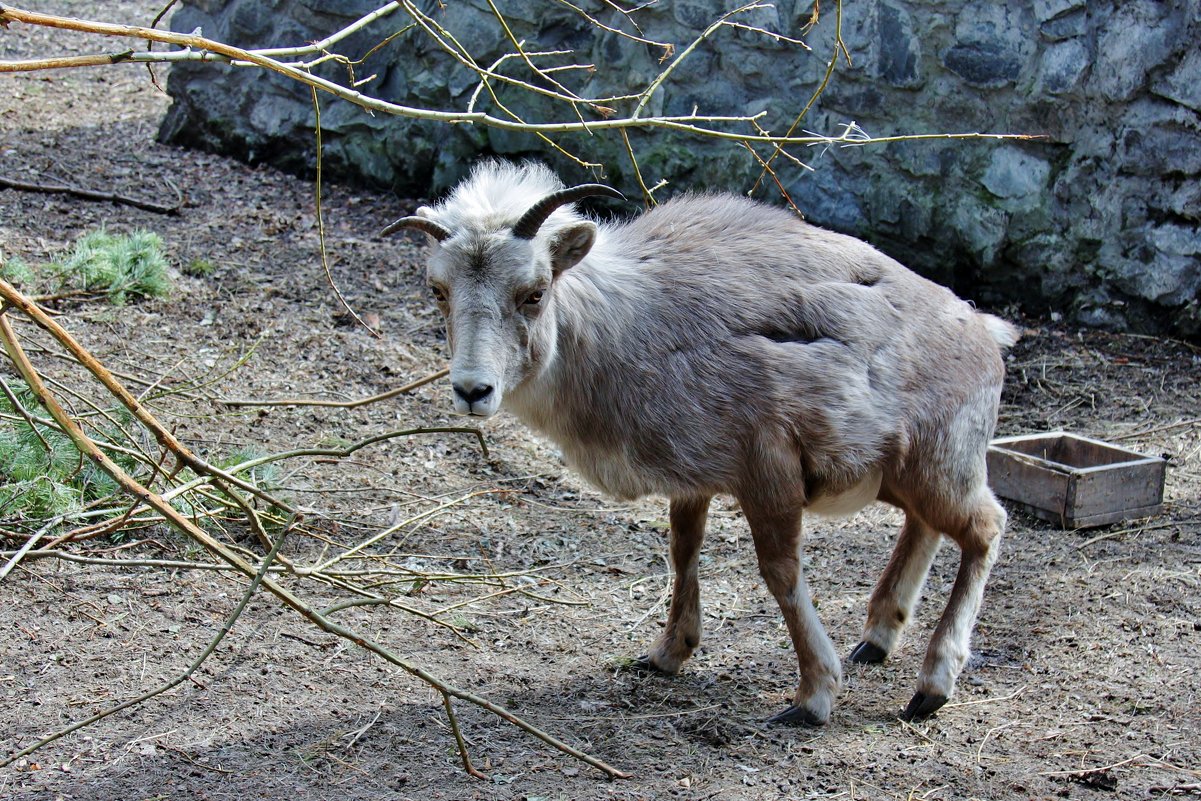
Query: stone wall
{"x":1099,"y":220}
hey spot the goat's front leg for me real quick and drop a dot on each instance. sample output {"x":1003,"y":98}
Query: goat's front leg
{"x":683,"y":632}
{"x":777,"y":538}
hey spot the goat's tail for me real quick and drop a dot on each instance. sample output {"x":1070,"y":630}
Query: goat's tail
{"x":1005,"y":334}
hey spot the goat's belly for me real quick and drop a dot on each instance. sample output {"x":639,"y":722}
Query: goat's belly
{"x":849,"y":502}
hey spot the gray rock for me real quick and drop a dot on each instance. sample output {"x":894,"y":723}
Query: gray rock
{"x":1046,"y":10}
{"x":1065,"y":27}
{"x":1062,"y":66}
{"x":1132,"y":40}
{"x":982,"y":228}
{"x":991,"y":45}
{"x":693,"y":14}
{"x":1158,"y":138}
{"x":900,"y":48}
{"x":828,"y":197}
{"x":1184,"y":201}
{"x":1015,"y":175}
{"x":1183,"y":83}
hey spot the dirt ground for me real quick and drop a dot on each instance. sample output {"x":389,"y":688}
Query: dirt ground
{"x":1084,"y":681}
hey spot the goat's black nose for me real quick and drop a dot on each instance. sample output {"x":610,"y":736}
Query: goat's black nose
{"x":476,"y":393}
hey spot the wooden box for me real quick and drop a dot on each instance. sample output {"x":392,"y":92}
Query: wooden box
{"x":1075,"y":481}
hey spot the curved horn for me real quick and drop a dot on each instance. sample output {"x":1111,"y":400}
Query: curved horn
{"x":532,"y":220}
{"x":436,"y":230}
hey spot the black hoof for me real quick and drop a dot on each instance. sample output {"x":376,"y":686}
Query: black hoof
{"x":866,"y":653}
{"x":922,"y":706}
{"x":643,"y":664}
{"x":796,"y":716}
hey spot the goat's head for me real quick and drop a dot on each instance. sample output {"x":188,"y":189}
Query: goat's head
{"x":494,"y":284}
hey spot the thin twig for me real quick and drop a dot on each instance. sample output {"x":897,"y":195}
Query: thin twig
{"x":26,"y":549}
{"x":667,"y":47}
{"x":1109,"y":535}
{"x":647,"y":194}
{"x":15,"y":402}
{"x":840,"y":48}
{"x":662,"y":76}
{"x":978,"y":701}
{"x":395,"y":604}
{"x":168,"y":564}
{"x":329,"y":276}
{"x":1158,"y":429}
{"x":504,"y":24}
{"x":420,"y":382}
{"x":442,"y":507}
{"x":454,"y":727}
{"x":1087,"y":771}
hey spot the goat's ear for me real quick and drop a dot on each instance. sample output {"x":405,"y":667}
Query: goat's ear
{"x":570,"y":245}
{"x":424,"y":211}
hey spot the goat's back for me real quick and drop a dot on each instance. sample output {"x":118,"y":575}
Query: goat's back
{"x":719,"y":265}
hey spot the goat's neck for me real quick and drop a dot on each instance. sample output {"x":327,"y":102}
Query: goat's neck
{"x":594,"y":301}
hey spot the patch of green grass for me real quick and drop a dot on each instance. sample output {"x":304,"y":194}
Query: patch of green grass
{"x":120,"y":267}
{"x":199,"y":268}
{"x":464,"y":623}
{"x":42,"y":474}
{"x":263,"y":476}
{"x":16,"y":271}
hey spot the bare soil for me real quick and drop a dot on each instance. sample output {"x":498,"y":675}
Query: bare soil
{"x":1084,"y":681}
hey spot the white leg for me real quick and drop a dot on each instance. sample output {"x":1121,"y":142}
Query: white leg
{"x":897,"y":591}
{"x":979,"y":542}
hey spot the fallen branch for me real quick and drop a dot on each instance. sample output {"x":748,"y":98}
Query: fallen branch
{"x":1109,"y":535}
{"x":90,"y":194}
{"x":25,"y":549}
{"x":1158,"y":429}
{"x":169,"y":564}
{"x":88,"y":448}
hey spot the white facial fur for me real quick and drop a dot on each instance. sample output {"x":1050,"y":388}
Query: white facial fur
{"x":493,"y":289}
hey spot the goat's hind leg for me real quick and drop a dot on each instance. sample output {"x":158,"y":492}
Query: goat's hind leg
{"x":682,"y":634}
{"x":978,"y":539}
{"x":891,"y":606}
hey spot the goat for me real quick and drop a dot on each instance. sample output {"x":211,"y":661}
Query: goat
{"x":716,"y":345}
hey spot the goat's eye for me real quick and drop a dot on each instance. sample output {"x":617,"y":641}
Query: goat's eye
{"x":534,"y":298}
{"x":439,"y":294}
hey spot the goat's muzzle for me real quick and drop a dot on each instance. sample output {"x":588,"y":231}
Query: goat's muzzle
{"x":478,"y":398}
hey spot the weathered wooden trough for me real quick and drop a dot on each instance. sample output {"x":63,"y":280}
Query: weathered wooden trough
{"x":1075,"y":481}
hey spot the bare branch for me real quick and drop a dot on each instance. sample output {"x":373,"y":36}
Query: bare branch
{"x":392,"y":393}
{"x":200,"y":48}
{"x":86,"y":446}
{"x":91,"y":194}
